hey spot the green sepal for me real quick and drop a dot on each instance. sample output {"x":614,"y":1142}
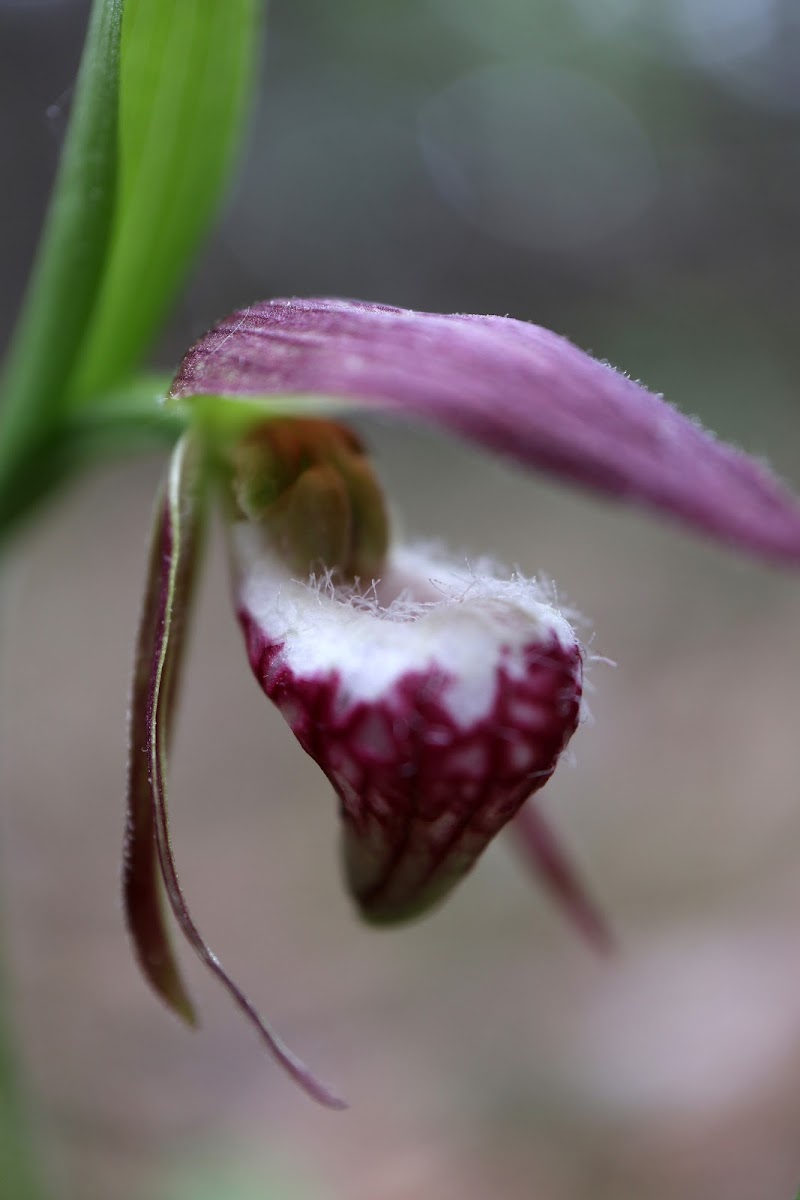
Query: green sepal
{"x":229,"y":417}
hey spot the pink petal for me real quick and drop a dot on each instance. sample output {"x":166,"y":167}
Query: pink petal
{"x":514,"y":388}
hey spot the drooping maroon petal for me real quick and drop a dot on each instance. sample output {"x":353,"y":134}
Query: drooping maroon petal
{"x":514,"y":388}
{"x":553,"y":869}
{"x":141,"y":873}
{"x":148,"y":860}
{"x":434,"y":721}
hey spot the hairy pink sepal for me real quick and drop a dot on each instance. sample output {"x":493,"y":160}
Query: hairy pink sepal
{"x":511,"y":387}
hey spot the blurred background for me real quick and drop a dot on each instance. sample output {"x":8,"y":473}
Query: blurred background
{"x":626,"y":172}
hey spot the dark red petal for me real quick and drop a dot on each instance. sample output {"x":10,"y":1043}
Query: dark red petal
{"x":141,"y":875}
{"x":148,"y":851}
{"x":514,"y":388}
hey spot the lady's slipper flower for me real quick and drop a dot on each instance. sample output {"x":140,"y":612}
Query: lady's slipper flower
{"x":436,"y":698}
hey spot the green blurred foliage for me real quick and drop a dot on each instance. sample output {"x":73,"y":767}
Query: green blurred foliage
{"x":236,"y":1178}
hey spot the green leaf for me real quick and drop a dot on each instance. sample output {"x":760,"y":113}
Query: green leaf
{"x":72,"y":254}
{"x":186,"y":76}
{"x":149,"y":861}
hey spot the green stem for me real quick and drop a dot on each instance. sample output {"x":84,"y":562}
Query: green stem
{"x":64,"y":286}
{"x":128,"y":420}
{"x":123,"y":421}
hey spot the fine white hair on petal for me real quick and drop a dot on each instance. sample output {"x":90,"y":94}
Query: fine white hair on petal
{"x":428,"y":613}
{"x":589,"y":688}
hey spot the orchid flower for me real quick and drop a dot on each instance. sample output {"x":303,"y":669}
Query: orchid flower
{"x":436,"y":697}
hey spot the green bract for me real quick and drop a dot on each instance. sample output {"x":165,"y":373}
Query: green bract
{"x":185,"y":78}
{"x":159,"y":106}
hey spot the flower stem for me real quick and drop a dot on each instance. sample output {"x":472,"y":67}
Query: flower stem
{"x":129,"y":419}
{"x":64,"y":286}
